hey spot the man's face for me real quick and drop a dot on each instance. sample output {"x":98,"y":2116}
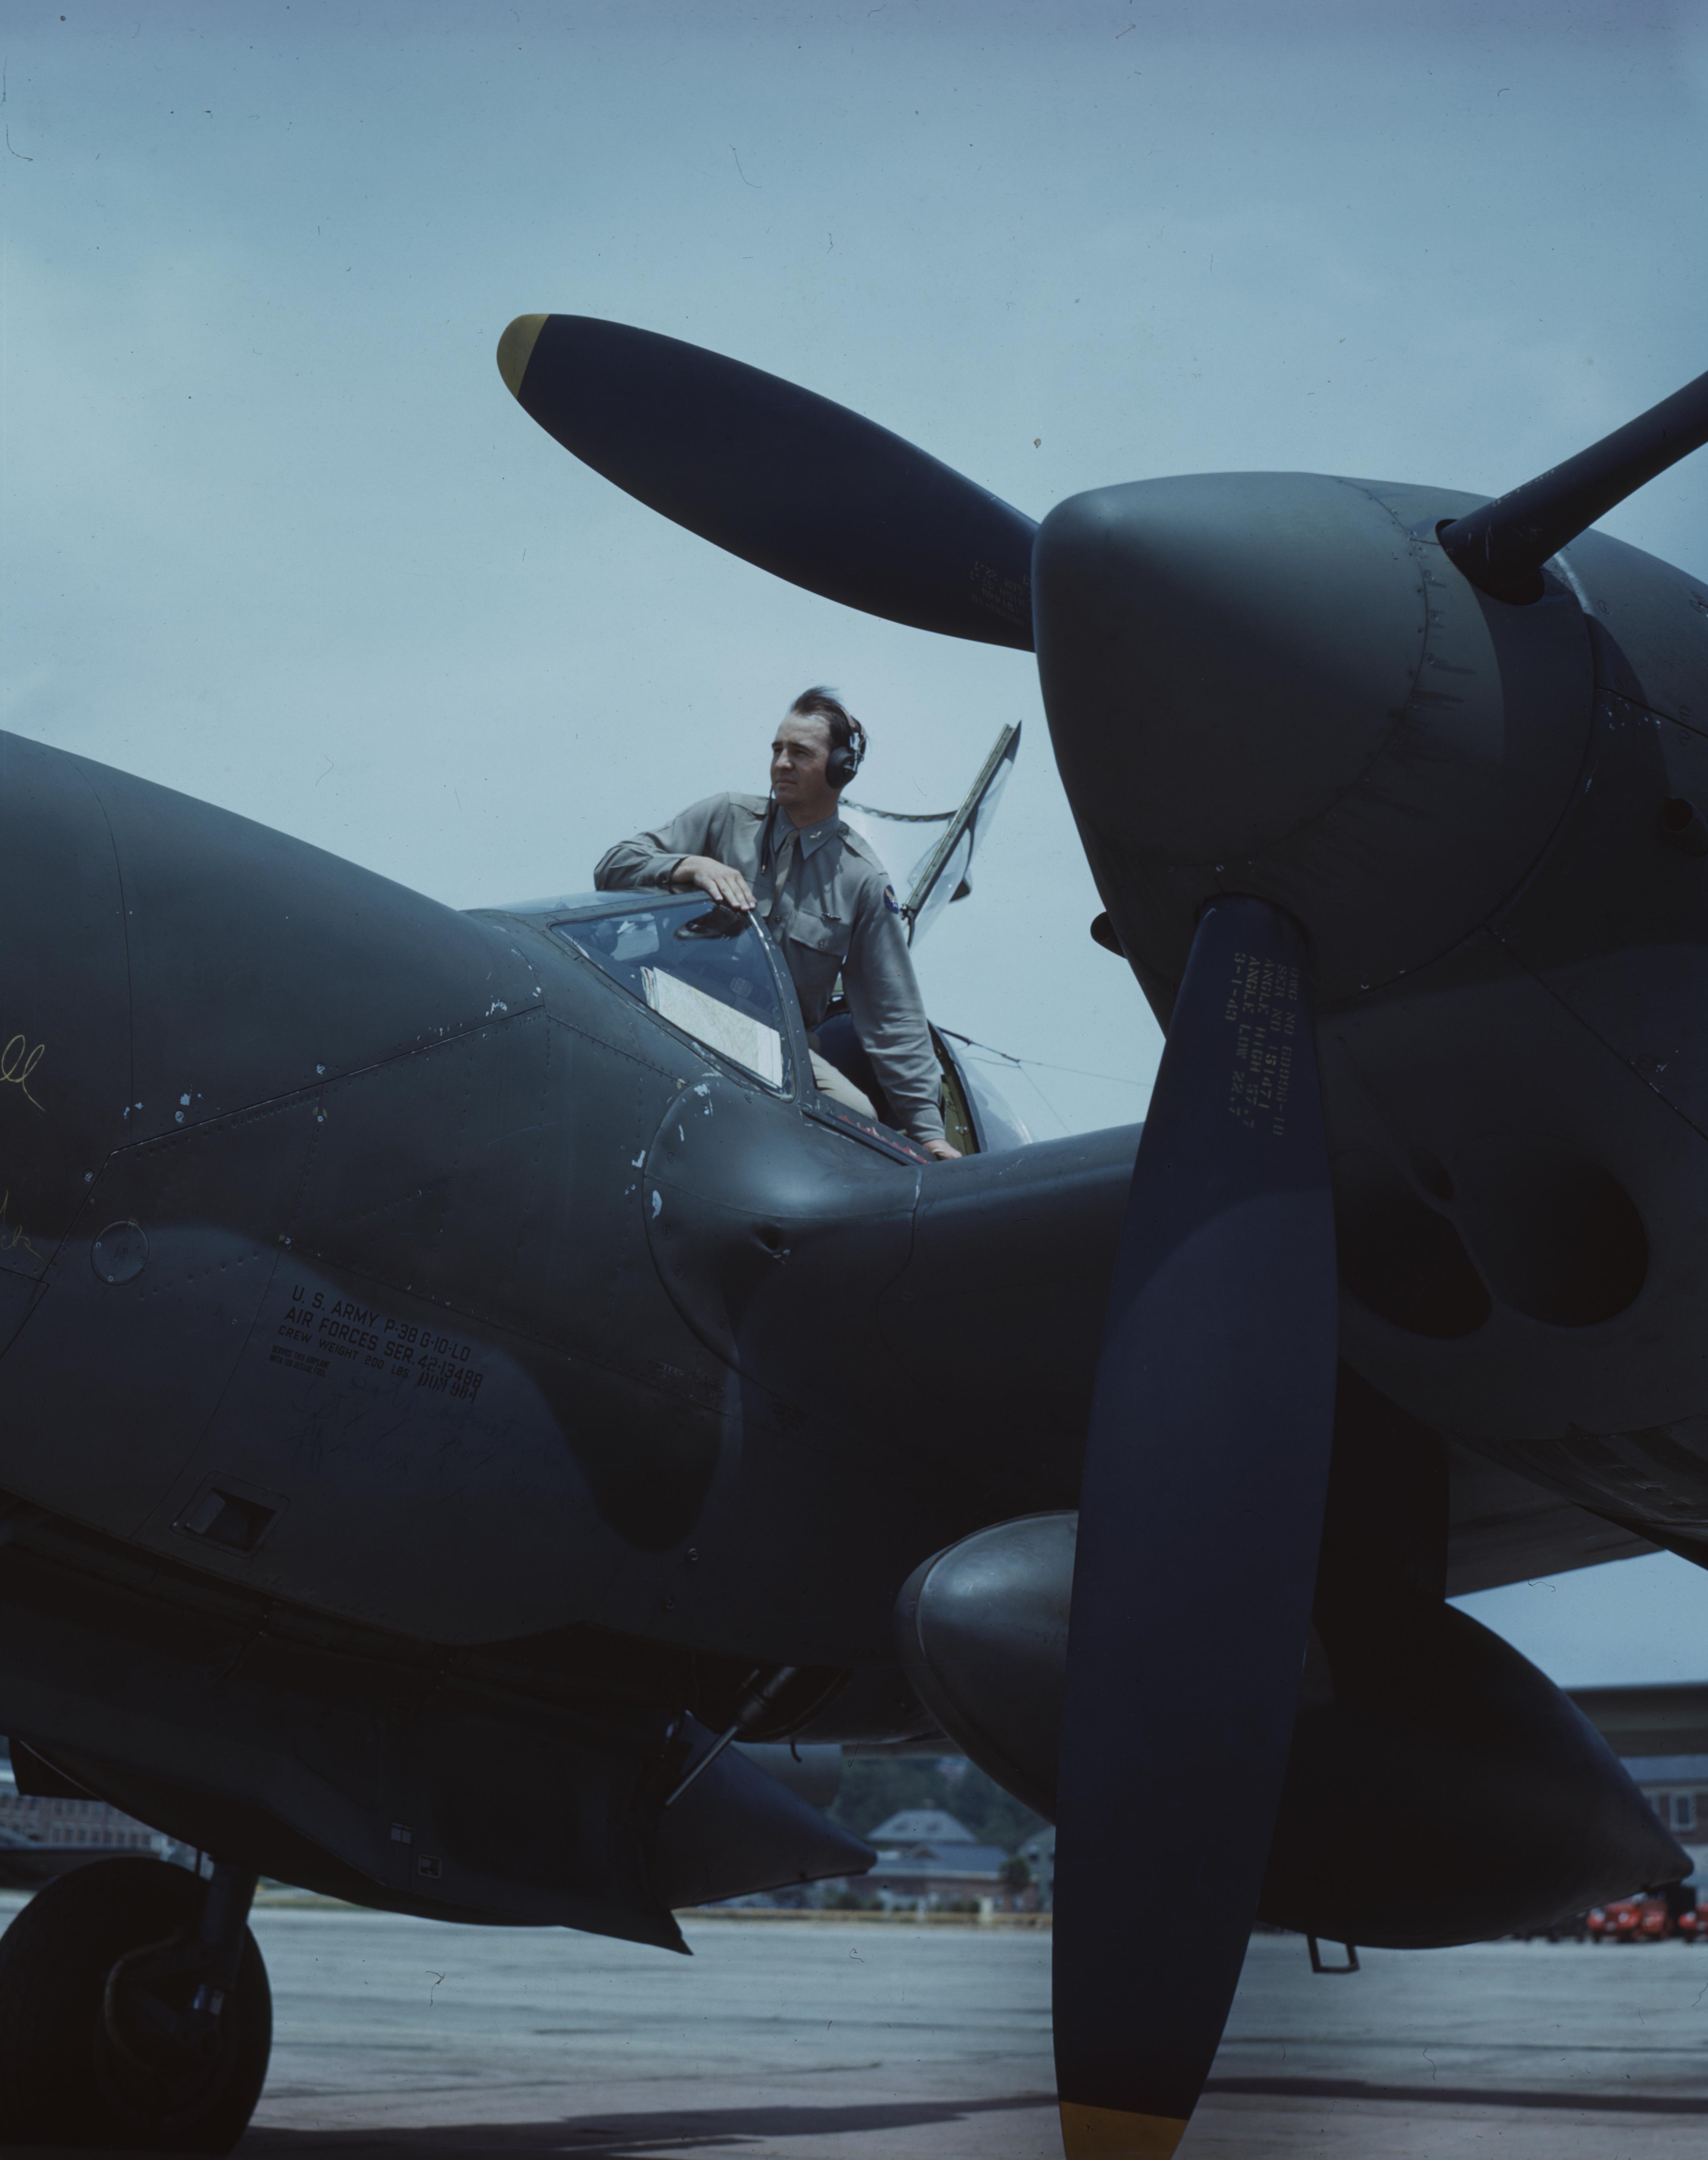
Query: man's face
{"x":798,"y":755}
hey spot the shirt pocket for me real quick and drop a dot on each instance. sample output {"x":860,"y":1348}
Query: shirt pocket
{"x":817,"y":948}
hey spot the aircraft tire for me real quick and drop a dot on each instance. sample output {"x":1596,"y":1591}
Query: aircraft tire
{"x":76,"y":2068}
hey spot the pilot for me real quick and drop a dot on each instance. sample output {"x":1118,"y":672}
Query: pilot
{"x":825,"y":898}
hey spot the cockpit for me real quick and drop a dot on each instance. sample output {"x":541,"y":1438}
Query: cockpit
{"x":707,"y":970}
{"x":714,"y":975}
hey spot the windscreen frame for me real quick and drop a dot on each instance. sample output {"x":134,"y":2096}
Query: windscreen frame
{"x":597,"y":906}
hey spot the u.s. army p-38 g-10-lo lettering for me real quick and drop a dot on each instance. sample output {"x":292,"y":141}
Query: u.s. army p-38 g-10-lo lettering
{"x":446,"y":1399}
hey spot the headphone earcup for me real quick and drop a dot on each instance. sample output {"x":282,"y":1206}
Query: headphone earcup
{"x":843,"y":761}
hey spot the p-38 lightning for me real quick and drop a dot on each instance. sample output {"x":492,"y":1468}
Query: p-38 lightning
{"x":446,"y":1393}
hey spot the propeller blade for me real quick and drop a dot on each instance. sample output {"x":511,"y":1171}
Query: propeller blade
{"x":1201,"y":1514}
{"x":806,"y":489}
{"x":1502,"y":547}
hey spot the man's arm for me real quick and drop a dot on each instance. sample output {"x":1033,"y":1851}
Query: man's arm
{"x":888,"y":1016}
{"x":649,"y":861}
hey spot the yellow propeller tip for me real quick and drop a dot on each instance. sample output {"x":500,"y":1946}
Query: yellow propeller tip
{"x":516,"y":349}
{"x":1111,"y":2133}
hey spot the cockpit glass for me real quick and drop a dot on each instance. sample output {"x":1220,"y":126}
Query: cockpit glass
{"x":956,"y":867}
{"x":702,"y":968}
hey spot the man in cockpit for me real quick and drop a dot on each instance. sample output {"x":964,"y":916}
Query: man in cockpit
{"x":823,"y":895}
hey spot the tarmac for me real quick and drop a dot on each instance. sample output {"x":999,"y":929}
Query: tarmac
{"x":834,"y":2041}
{"x":838,"y":2041}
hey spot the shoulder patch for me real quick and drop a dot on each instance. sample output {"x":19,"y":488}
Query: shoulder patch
{"x":890,"y":900}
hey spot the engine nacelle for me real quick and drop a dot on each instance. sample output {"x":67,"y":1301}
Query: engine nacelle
{"x":1440,"y":1789}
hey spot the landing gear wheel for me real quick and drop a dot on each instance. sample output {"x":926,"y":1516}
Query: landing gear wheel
{"x":100,"y":2044}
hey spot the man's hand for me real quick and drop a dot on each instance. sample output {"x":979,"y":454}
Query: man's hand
{"x":942,"y":1150}
{"x":723,"y":885}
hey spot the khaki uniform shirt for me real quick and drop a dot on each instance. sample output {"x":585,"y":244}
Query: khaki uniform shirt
{"x":827,"y":902}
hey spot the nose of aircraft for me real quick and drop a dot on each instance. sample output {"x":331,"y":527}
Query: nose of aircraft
{"x":1277,"y":684}
{"x":219,"y":1046}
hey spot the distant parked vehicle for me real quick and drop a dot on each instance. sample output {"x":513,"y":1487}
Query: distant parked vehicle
{"x":1631,"y":1920}
{"x":1649,"y":1919}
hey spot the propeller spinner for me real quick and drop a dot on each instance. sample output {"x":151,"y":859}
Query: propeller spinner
{"x":1280,"y":713}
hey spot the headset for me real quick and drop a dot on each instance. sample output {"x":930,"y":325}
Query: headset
{"x":843,"y":761}
{"x":840,"y":766}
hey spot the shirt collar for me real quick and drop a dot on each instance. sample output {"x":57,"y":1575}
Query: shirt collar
{"x":811,"y":839}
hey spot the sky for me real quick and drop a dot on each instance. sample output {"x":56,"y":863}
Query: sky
{"x":273,"y":533}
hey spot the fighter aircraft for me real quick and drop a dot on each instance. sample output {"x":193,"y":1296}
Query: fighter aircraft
{"x":457,"y":1375}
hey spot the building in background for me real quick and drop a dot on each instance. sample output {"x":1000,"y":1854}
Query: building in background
{"x":1659,"y":1731}
{"x":928,"y":1859}
{"x":43,"y":1837}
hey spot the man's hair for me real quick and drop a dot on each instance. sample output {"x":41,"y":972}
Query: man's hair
{"x":821,"y":703}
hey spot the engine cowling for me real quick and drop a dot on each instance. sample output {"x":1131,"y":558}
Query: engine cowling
{"x":1440,"y":1790}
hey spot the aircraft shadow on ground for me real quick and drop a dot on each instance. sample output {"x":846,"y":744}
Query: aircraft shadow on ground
{"x":662,"y":2133}
{"x":1574,"y":2103}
